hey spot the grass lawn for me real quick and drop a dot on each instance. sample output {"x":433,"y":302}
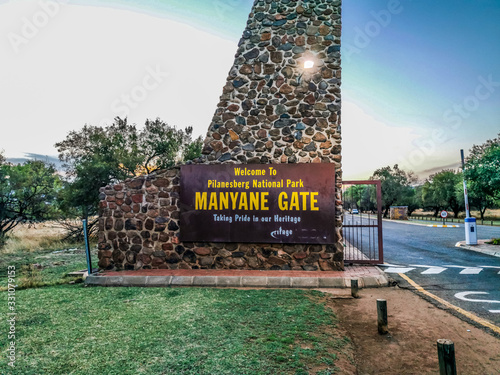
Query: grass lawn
{"x":43,"y":267}
{"x":71,"y":329}
{"x":40,"y":257}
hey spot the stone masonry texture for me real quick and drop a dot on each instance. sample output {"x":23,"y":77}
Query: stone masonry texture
{"x":272,"y":110}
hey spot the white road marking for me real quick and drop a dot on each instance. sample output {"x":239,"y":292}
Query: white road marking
{"x":431,"y":270}
{"x":434,"y":270}
{"x":495,"y":311}
{"x":463,"y":297}
{"x":492,"y":267}
{"x":388,"y":265}
{"x":471,"y":271}
{"x":468,"y":270}
{"x":398,"y":269}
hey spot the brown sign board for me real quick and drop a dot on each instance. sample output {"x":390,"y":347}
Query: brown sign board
{"x":261,"y":203}
{"x":258,"y":203}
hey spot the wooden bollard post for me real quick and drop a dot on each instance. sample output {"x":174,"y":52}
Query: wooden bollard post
{"x":382,"y":316}
{"x":446,"y":356}
{"x":354,"y":288}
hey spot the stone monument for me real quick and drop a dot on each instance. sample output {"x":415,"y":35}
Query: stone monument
{"x":279,"y":105}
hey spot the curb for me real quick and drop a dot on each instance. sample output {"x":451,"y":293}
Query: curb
{"x":478,"y":249}
{"x":236,"y":281}
{"x":407,"y":222}
{"x":444,"y":226}
{"x":410,"y":222}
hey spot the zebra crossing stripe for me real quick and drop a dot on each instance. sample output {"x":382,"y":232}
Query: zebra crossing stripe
{"x":431,"y":270}
{"x":468,"y":270}
{"x":471,"y":271}
{"x":398,"y":269}
{"x":434,"y":270}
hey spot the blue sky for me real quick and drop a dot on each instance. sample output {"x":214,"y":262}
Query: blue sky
{"x":422,"y":70}
{"x":421,"y":79}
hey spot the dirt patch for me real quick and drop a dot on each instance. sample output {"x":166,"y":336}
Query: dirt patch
{"x":414,"y":327}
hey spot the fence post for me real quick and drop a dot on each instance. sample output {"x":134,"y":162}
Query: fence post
{"x":87,"y":248}
{"x":382,"y":316}
{"x":446,"y":356}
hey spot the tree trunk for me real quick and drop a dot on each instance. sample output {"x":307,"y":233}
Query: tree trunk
{"x":386,"y":212}
{"x":482,"y":211}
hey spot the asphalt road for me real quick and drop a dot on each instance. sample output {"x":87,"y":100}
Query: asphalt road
{"x":428,"y":256}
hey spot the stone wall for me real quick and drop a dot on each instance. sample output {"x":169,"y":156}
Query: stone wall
{"x":398,"y":213}
{"x":272,"y":110}
{"x":139,"y":228}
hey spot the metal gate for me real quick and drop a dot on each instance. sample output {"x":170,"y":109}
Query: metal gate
{"x":362,"y":223}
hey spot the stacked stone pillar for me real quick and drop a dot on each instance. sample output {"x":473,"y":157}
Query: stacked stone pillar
{"x":272,"y":110}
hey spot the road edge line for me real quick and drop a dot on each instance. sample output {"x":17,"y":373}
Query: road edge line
{"x":467,"y":314}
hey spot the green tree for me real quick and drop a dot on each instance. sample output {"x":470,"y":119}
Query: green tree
{"x":396,"y":186}
{"x":443,"y":190}
{"x":96,"y":156}
{"x":160,"y":144}
{"x":482,"y":172}
{"x":193,"y":150}
{"x":429,"y":200}
{"x":352,"y":197}
{"x":439,"y":192}
{"x":362,"y":197}
{"x":477,"y":199}
{"x":413,"y":199}
{"x":369,"y":198}
{"x":27,"y":193}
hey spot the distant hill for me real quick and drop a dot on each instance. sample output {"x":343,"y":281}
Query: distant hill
{"x":424,"y":174}
{"x":45,"y":158}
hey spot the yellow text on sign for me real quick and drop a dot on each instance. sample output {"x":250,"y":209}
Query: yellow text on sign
{"x":306,"y":201}
{"x":255,"y":201}
{"x":235,"y":200}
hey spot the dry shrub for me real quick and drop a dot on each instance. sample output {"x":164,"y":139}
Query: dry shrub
{"x":33,"y":237}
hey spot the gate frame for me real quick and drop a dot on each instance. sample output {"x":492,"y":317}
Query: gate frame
{"x":378,"y":185}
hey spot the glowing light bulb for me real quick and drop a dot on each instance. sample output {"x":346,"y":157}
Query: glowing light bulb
{"x":308,"y":64}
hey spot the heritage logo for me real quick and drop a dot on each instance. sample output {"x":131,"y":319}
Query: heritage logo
{"x":281,"y":233}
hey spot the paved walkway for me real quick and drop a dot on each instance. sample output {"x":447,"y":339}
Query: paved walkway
{"x":368,"y":277}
